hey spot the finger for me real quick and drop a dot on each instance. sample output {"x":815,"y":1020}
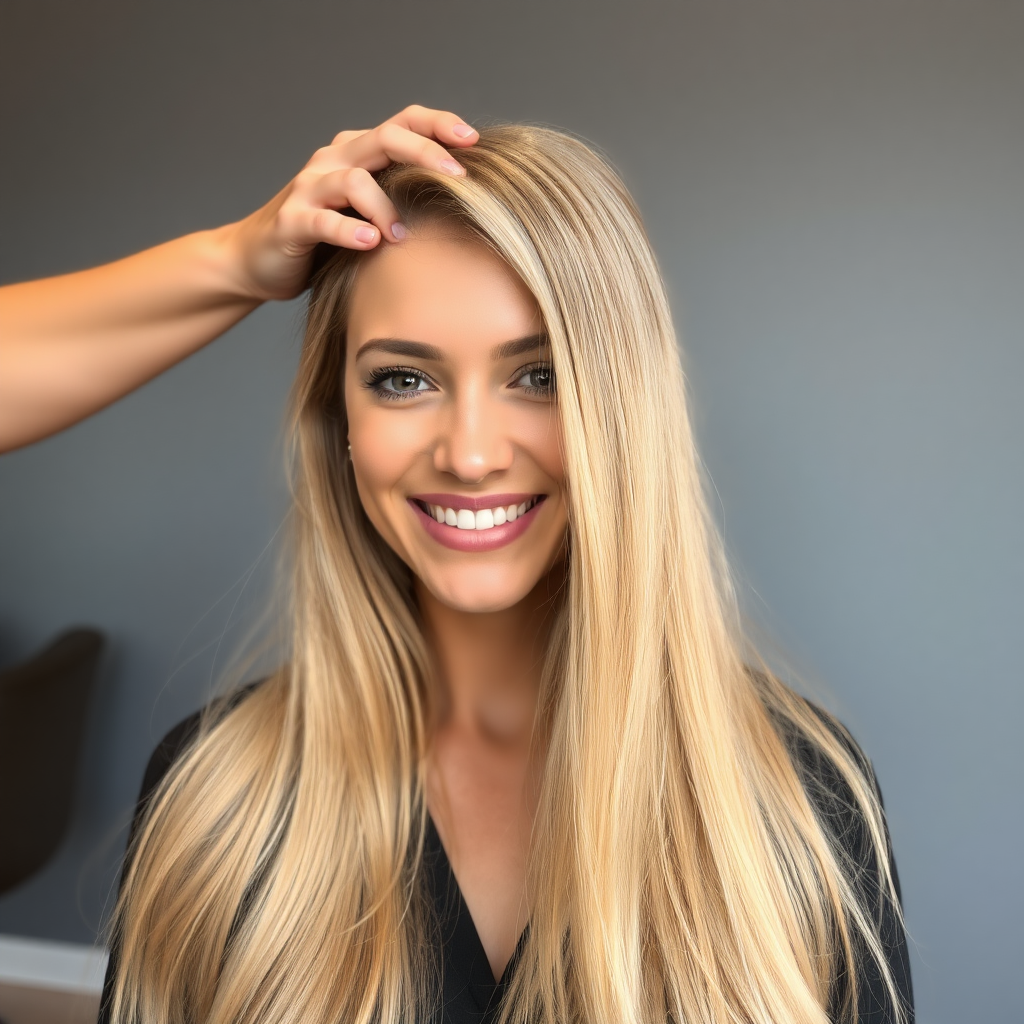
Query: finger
{"x":442,"y":125}
{"x":422,"y":121}
{"x":332,"y":157}
{"x":355,"y":187}
{"x":347,"y":136}
{"x":392,"y":143}
{"x":323,"y":225}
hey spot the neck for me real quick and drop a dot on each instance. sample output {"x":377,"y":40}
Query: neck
{"x":490,"y":663}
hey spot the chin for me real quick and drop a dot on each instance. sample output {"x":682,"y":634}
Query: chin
{"x":468,"y":591}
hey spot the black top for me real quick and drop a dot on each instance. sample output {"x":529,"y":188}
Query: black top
{"x":470,"y":994}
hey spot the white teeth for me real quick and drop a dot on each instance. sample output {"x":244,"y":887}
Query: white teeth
{"x":484,"y":519}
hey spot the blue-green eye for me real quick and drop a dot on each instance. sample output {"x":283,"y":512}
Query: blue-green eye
{"x":537,"y":380}
{"x":397,"y":382}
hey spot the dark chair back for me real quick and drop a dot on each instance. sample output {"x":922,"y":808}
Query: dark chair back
{"x":43,"y":704}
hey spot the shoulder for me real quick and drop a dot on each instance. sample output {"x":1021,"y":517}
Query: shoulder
{"x":179,"y":738}
{"x":866,"y":854}
{"x":828,"y":783}
{"x":173,"y":746}
{"x":167,"y":751}
{"x":845,"y":797}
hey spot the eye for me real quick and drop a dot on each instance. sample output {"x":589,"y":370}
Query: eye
{"x":536,"y":380}
{"x":396,"y":382}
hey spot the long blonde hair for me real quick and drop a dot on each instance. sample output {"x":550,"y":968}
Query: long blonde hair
{"x":679,"y":869}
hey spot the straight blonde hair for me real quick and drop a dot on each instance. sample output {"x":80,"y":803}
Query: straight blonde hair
{"x":681,"y":867}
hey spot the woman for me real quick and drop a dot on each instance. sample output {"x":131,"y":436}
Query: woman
{"x":518,"y":766}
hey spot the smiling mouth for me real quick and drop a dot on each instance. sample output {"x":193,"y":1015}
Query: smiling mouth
{"x":479,"y":519}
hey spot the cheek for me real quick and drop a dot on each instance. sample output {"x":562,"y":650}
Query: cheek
{"x":385,"y":447}
{"x":380,"y":435}
{"x":542,"y":438}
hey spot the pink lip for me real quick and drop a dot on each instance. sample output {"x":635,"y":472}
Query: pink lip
{"x":475,"y":540}
{"x":457,"y":501}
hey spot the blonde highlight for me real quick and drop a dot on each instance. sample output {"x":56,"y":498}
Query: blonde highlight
{"x":681,"y":869}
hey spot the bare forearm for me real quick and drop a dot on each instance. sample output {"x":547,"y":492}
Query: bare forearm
{"x":73,"y":344}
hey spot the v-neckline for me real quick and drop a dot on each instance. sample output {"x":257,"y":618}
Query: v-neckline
{"x":460,"y":929}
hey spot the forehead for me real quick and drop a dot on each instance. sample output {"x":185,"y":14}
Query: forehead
{"x":441,"y":288}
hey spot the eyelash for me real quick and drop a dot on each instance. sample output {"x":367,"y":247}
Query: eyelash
{"x":378,"y":376}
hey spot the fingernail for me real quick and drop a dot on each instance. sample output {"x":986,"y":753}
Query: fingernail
{"x":452,"y":167}
{"x":398,"y":230}
{"x":365,"y":234}
{"x":463,"y":131}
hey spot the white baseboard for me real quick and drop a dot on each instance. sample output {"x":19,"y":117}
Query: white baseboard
{"x":61,"y":966}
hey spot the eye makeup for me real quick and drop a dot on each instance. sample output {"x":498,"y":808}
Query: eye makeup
{"x":409,"y":380}
{"x":377,"y":379}
{"x":544,"y":373}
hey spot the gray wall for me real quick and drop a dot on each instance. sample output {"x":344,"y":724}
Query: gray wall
{"x":836,"y":191}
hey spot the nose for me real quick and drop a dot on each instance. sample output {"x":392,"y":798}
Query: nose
{"x":473,"y":440}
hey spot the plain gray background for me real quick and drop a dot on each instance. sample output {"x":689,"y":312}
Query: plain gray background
{"x":836,"y":192}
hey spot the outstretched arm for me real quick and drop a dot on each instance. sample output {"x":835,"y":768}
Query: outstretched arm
{"x":71,"y":345}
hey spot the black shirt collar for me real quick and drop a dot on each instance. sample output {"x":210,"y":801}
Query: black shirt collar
{"x":468,"y":990}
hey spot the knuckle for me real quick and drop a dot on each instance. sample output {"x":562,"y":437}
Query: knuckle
{"x":353,"y":180}
{"x":301,"y":187}
{"x":289,"y":224}
{"x":318,"y":159}
{"x":320,"y":223}
{"x":389,"y":132}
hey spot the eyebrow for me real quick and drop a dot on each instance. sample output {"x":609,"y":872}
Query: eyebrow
{"x":420,"y":350}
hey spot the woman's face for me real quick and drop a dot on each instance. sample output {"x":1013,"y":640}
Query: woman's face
{"x":452,"y":419}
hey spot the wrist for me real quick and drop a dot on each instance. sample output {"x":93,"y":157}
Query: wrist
{"x":224,"y":256}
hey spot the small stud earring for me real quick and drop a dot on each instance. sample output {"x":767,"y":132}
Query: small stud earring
{"x":350,"y":451}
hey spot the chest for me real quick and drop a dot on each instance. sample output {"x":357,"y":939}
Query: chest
{"x":481,"y":805}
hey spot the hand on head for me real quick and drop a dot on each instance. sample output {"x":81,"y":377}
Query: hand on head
{"x":275,"y":244}
{"x":72,"y":344}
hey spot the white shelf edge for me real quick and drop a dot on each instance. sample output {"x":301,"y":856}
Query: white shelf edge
{"x":62,"y":966}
